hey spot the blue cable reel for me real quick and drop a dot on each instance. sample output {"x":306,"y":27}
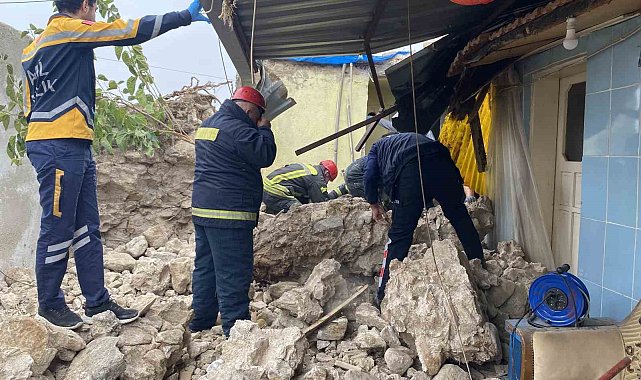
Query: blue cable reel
{"x":559,"y":298}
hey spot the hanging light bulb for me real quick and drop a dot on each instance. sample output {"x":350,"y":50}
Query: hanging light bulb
{"x":571,"y":42}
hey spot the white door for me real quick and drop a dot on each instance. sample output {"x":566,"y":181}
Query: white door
{"x":567,"y":185}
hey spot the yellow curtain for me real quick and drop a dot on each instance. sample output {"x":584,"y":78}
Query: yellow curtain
{"x":456,"y":136}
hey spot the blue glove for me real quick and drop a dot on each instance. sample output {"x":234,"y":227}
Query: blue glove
{"x":470,"y":199}
{"x":194,"y":11}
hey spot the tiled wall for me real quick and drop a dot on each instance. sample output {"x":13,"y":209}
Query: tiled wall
{"x":610,"y":239}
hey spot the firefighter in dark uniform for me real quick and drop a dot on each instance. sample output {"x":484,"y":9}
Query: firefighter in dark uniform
{"x":60,"y":99}
{"x":354,"y":181}
{"x":231,"y":148}
{"x":394,"y":163}
{"x":297,"y":184}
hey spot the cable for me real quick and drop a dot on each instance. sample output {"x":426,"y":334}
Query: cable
{"x":251,"y":48}
{"x":170,"y":69}
{"x":222,"y":60}
{"x":420,"y":173}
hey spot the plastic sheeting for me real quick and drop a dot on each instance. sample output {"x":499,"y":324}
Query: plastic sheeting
{"x":511,"y":184}
{"x":457,"y":137}
{"x":347,"y":59}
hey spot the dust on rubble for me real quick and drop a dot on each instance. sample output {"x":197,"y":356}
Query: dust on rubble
{"x":411,"y":339}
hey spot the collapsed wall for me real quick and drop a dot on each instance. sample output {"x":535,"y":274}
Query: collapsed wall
{"x":136,"y":192}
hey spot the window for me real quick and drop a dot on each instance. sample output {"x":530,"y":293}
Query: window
{"x":574,"y":121}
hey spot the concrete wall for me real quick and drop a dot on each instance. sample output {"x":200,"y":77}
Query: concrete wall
{"x":316,"y":89}
{"x":19,"y":207}
{"x":610,"y":238}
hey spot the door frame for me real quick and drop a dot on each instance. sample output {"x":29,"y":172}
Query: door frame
{"x":544,"y":133}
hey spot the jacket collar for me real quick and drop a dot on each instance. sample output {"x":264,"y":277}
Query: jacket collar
{"x":58,"y":15}
{"x":232,"y":109}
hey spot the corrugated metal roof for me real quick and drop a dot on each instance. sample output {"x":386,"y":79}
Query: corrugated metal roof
{"x":295,"y":28}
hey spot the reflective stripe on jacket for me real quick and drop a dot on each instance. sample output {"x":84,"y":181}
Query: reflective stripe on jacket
{"x":230,"y":151}
{"x":304,"y":182}
{"x":60,"y":91}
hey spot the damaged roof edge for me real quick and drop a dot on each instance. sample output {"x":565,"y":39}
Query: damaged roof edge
{"x":230,"y":40}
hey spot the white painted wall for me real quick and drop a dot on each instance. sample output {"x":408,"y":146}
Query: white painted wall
{"x":19,"y":206}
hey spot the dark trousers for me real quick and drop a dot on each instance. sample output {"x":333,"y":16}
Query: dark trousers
{"x":442,"y":181}
{"x":222,"y":275}
{"x":275,"y":204}
{"x":70,"y":221}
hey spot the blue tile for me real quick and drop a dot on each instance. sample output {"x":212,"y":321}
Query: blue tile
{"x":615,"y":305}
{"x":594,"y":187}
{"x":599,"y":72}
{"x":596,"y":135}
{"x":595,"y":291}
{"x":618,"y":266}
{"x":623,"y":175}
{"x":591,"y":249}
{"x":625,"y":59}
{"x":636,"y":294}
{"x":624,"y":122}
{"x":598,"y":40}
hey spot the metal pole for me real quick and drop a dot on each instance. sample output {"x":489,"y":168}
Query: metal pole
{"x":339,"y":103}
{"x":349,"y":109}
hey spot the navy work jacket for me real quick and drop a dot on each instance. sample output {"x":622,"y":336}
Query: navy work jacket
{"x":230,"y":151}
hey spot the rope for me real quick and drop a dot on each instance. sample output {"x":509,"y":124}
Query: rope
{"x":222,"y":60}
{"x":251,"y":49}
{"x":450,"y":306}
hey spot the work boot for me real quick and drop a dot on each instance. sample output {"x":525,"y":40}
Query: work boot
{"x":124,"y":315}
{"x":64,"y":317}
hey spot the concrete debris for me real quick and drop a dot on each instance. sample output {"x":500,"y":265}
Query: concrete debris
{"x":105,"y":324}
{"x":334,"y":330}
{"x":100,"y":361}
{"x":32,"y":337}
{"x":367,"y":314}
{"x":180,"y":270}
{"x":137,"y":246}
{"x":157,"y":236}
{"x":119,"y":262}
{"x":414,"y":303}
{"x":252,"y":353}
{"x":398,"y":361}
{"x":15,"y":364}
{"x":151,"y":275}
{"x":451,"y":372}
{"x":341,"y":229}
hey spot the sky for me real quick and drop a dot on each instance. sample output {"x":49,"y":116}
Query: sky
{"x":192,"y":49}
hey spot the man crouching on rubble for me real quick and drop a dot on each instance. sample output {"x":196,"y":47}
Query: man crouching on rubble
{"x":231,"y":148}
{"x":393,"y":162}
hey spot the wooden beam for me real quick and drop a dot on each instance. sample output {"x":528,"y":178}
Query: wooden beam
{"x":477,"y":141}
{"x":347,"y":130}
{"x":334,"y":311}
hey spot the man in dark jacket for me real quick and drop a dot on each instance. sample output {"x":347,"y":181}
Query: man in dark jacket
{"x":297,"y":184}
{"x":394,"y":163}
{"x":354,"y":181}
{"x":231,"y":148}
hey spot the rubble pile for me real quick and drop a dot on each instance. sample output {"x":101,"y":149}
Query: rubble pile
{"x":413,"y":337}
{"x":136,"y":192}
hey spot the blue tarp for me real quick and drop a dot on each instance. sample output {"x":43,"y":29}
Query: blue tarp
{"x":345,"y":59}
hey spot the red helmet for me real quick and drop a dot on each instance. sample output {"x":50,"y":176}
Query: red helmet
{"x":251,"y":95}
{"x":331,"y":168}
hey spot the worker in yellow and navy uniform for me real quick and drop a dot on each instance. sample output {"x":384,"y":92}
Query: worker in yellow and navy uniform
{"x":296,"y":184}
{"x":60,"y":99}
{"x":231,"y":148}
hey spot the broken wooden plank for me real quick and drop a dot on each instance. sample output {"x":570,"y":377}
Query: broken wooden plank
{"x":477,"y":142}
{"x":334,"y":311}
{"x":347,"y":366}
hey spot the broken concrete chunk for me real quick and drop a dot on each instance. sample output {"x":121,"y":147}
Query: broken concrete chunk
{"x":15,"y":364}
{"x":100,"y":361}
{"x":390,"y":336}
{"x":397,"y":360}
{"x":32,"y":337}
{"x":356,"y":375}
{"x":370,"y":341}
{"x":19,"y":275}
{"x":253,"y":353}
{"x":157,"y":236}
{"x":414,"y":303}
{"x":325,"y":280}
{"x":181,"y":270}
{"x":137,"y":246}
{"x":300,"y":304}
{"x":316,"y":373}
{"x":367,"y":314}
{"x":119,"y":262}
{"x":105,"y":324}
{"x":151,"y":275}
{"x":497,"y":295}
{"x":335,"y":330}
{"x":278,"y":289}
{"x":451,"y":372}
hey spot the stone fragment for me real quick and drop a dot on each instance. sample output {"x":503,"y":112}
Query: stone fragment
{"x":144,"y":363}
{"x":357,"y":375}
{"x":119,"y":262}
{"x":15,"y":364}
{"x":421,"y":376}
{"x":181,"y":270}
{"x":316,"y":373}
{"x":252,"y":353}
{"x":143,"y":303}
{"x":414,"y":303}
{"x":151,"y":275}
{"x":101,"y":360}
{"x":137,"y":246}
{"x":322,"y":344}
{"x":105,"y":324}
{"x":278,"y":289}
{"x":451,"y":372}
{"x":397,"y":360}
{"x":300,"y":304}
{"x":176,"y":245}
{"x":367,"y":314}
{"x":157,"y":236}
{"x":497,"y":295}
{"x":341,"y":229}
{"x":136,"y":333}
{"x":370,"y":341}
{"x":29,"y":336}
{"x":19,"y":275}
{"x":325,"y":281}
{"x":335,"y":330}
{"x":390,"y":336}
{"x":65,"y":339}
